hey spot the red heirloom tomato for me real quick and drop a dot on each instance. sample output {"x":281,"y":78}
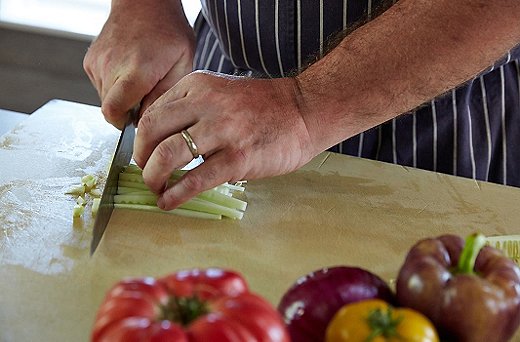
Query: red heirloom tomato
{"x":191,"y":305}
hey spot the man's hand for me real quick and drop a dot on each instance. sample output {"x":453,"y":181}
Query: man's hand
{"x":244,"y":128}
{"x":144,"y":48}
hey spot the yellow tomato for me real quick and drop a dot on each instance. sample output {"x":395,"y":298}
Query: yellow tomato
{"x":374,"y":320}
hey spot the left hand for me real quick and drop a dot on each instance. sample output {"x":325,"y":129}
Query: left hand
{"x":244,"y":128}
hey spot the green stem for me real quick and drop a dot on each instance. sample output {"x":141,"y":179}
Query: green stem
{"x":382,"y":323}
{"x":468,"y":256}
{"x":183,"y":310}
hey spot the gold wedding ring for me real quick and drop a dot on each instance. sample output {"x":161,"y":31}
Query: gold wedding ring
{"x":191,"y":144}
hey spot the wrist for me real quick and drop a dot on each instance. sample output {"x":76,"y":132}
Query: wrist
{"x":304,"y":102}
{"x":154,"y":11}
{"x":325,"y":106}
{"x":138,"y":4}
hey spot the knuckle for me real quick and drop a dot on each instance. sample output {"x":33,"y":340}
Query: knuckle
{"x":238,"y":157}
{"x":193,"y":183}
{"x":128,"y":84}
{"x":152,"y":181}
{"x":146,"y":125}
{"x":87,"y":65}
{"x":110,"y":110}
{"x":165,"y":154}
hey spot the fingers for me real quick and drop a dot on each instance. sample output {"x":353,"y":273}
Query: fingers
{"x":174,"y":75}
{"x":173,"y":153}
{"x":88,"y":67}
{"x":214,"y":171}
{"x":157,"y":123}
{"x":121,"y":97}
{"x":169,"y":155}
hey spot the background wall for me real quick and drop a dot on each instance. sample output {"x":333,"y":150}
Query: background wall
{"x":37,"y":65}
{"x":43,"y":58}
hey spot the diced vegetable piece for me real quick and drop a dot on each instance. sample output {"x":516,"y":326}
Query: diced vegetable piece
{"x":77,"y":190}
{"x":81,"y":200}
{"x":95,"y":206}
{"x":90,"y":181}
{"x":85,"y":193}
{"x":78,"y":210}
{"x":95,"y":193}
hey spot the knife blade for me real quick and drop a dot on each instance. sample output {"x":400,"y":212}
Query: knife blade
{"x":122,"y":157}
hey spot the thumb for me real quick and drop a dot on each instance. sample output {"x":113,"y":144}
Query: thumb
{"x":121,"y":98}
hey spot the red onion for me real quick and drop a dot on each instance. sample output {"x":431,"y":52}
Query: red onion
{"x":311,"y":302}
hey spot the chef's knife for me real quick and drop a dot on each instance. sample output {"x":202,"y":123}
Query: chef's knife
{"x":122,"y":157}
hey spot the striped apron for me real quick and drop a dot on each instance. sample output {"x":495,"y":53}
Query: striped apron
{"x":472,"y":131}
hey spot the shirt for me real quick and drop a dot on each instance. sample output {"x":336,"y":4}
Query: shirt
{"x":471,"y":131}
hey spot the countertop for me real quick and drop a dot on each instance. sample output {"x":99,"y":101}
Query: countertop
{"x":336,"y":210}
{"x":9,"y":119}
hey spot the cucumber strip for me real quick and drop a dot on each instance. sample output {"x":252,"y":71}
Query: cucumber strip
{"x":194,"y":204}
{"x":234,"y":187}
{"x":223,"y":190}
{"x":137,"y":178}
{"x":177,"y":211}
{"x":134,"y":185}
{"x":209,"y":195}
{"x":132,"y":193}
{"x":198,"y":204}
{"x":123,"y":190}
{"x":131,"y":177}
{"x":136,"y":199}
{"x":134,"y":169}
{"x":221,"y":199}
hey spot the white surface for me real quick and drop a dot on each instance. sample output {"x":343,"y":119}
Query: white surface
{"x":9,"y":120}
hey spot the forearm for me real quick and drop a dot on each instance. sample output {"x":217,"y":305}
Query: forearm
{"x":169,"y":12}
{"x":416,"y":50}
{"x":175,"y":5}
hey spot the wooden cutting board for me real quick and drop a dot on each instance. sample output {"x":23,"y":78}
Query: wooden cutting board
{"x":337,"y":210}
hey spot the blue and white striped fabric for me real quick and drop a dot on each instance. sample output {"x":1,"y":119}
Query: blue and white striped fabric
{"x":472,"y":131}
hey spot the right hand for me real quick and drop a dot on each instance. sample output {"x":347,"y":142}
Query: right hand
{"x":144,"y":48}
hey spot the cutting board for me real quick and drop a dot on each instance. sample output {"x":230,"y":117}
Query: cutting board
{"x":337,"y":210}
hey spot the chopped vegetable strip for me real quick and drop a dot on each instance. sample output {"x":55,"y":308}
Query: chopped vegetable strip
{"x":133,"y":185}
{"x":133,"y":193}
{"x":217,"y":197}
{"x":177,"y":211}
{"x":136,"y":199}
